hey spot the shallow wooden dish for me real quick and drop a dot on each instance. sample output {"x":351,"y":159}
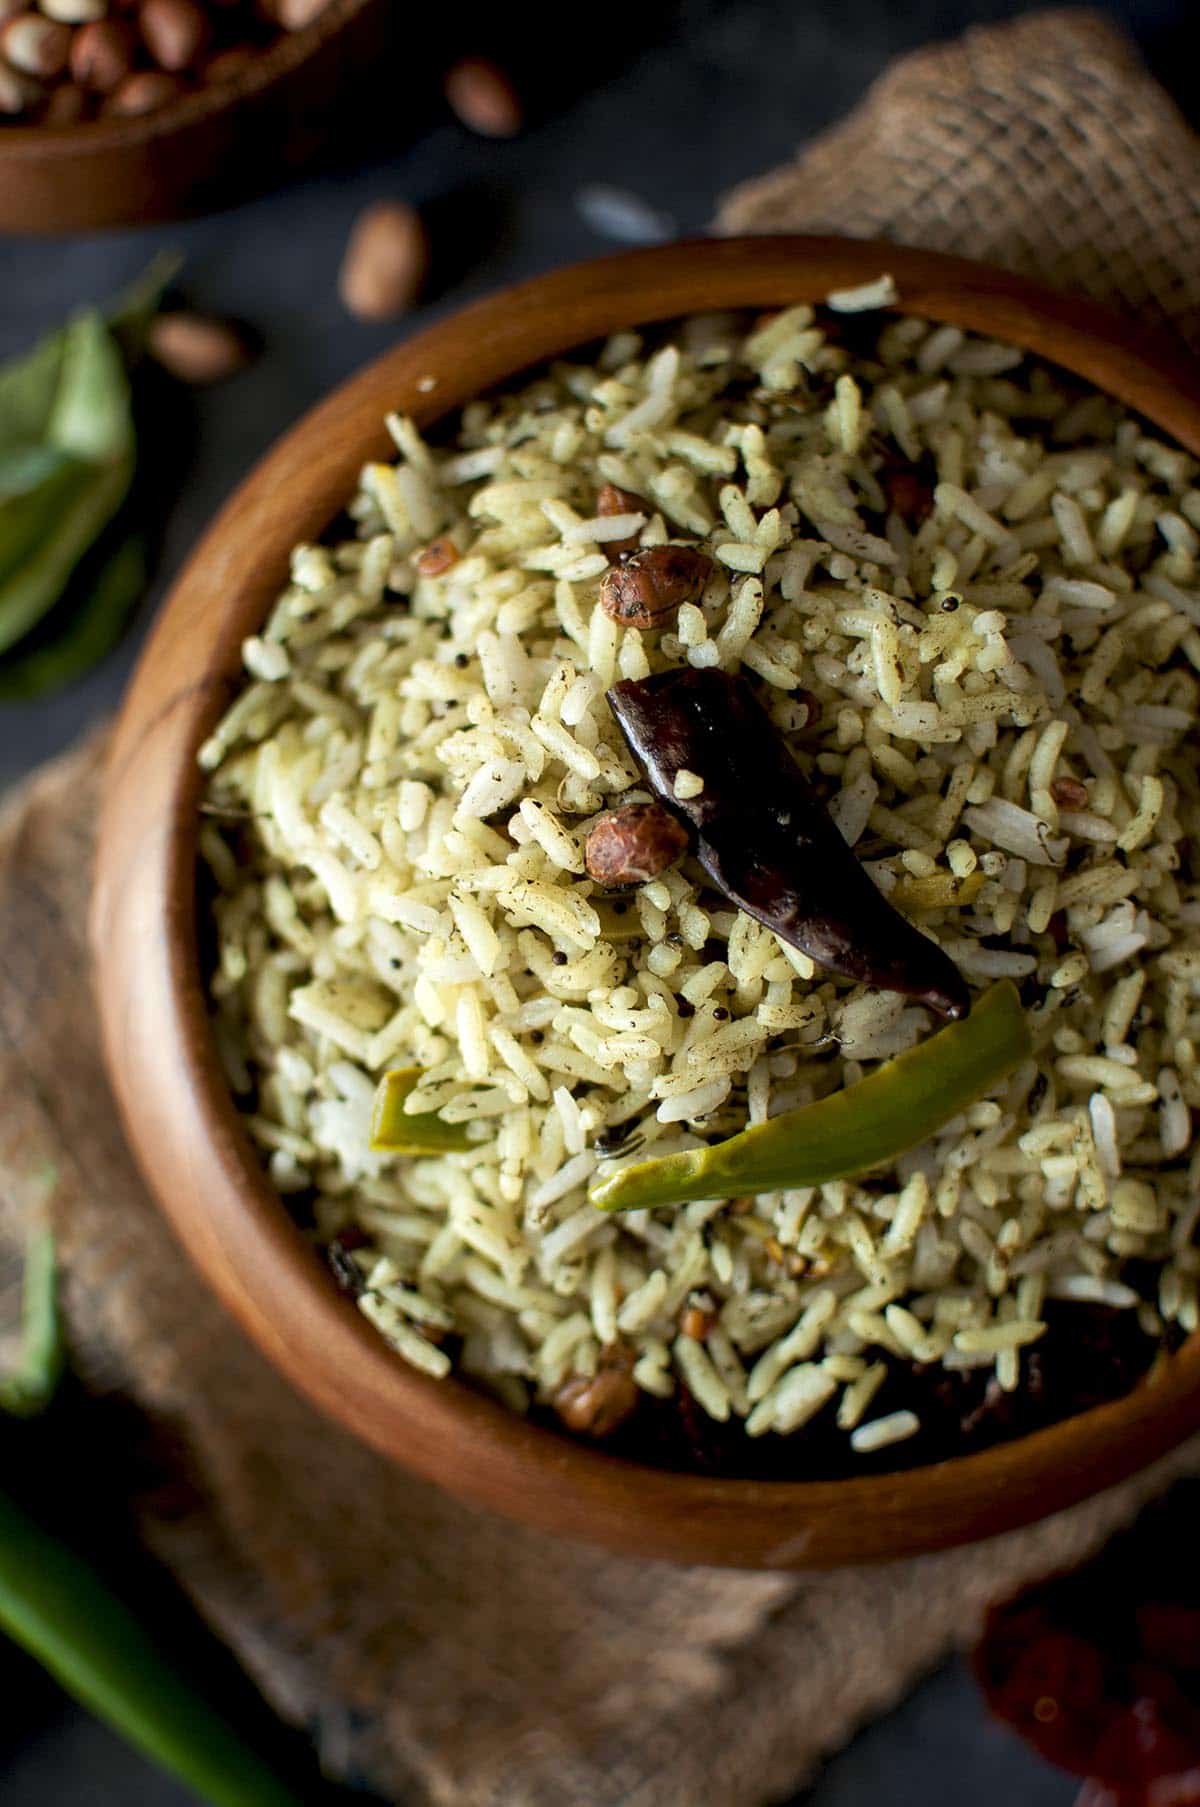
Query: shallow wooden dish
{"x":180,"y":1117}
{"x":204,"y":149}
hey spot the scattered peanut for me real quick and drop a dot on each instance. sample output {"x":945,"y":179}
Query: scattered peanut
{"x":650,"y":587}
{"x":296,"y":15}
{"x":74,"y":12}
{"x":196,"y":348}
{"x":175,"y":32}
{"x":632,"y":845}
{"x":483,"y":98}
{"x":612,"y":500}
{"x":65,"y":105}
{"x":594,"y":1406}
{"x":17,"y":92}
{"x":35,"y":45}
{"x":143,"y":92}
{"x":437,"y":557}
{"x":227,"y":65}
{"x":102,"y":55}
{"x":385,"y":261}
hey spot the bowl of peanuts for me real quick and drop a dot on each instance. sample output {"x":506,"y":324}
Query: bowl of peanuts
{"x":118,"y":111}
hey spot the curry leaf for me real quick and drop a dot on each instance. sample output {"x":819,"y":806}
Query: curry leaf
{"x":89,"y":630}
{"x":75,"y":403}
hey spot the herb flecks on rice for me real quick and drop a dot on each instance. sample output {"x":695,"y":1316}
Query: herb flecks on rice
{"x":967,"y":595}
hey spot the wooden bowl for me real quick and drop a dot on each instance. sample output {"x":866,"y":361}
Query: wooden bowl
{"x":204,"y":149}
{"x":176,"y":1106}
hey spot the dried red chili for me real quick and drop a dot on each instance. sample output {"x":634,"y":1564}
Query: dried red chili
{"x":765,"y":838}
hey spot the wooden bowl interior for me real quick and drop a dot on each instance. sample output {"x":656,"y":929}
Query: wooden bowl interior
{"x":179,"y":1114}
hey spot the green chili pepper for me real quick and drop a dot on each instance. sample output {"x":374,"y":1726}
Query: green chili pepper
{"x":30,"y":1386}
{"x":392,"y":1132}
{"x":59,"y":1609}
{"x":869,"y":1125}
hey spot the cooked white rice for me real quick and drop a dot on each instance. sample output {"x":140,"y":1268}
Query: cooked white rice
{"x":399,"y":800}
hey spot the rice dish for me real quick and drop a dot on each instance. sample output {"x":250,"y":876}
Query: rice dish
{"x":964,"y":589}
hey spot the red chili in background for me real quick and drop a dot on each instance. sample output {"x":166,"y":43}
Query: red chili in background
{"x":1099,"y":1669}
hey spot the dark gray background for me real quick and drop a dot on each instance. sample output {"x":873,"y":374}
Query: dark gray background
{"x":695,"y":97}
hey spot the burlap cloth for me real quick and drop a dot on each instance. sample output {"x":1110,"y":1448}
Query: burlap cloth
{"x":437,"y":1654}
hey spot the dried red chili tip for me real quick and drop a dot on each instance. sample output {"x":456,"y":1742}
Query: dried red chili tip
{"x":650,"y":587}
{"x":632,"y":845}
{"x":438,"y":556}
{"x":1069,"y":793}
{"x":765,"y":838}
{"x":612,"y":500}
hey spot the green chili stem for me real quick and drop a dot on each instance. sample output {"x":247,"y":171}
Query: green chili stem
{"x":870,"y":1124}
{"x":57,"y":1608}
{"x":395,"y":1132}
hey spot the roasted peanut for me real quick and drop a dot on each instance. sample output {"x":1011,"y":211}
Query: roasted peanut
{"x":196,"y":348}
{"x":175,"y":32}
{"x":438,"y":556}
{"x":632,"y":845}
{"x":295,"y":15}
{"x":385,"y":261}
{"x":227,"y":65}
{"x":65,"y":105}
{"x":1069,"y":793}
{"x":37,"y":46}
{"x":594,"y":1406}
{"x":144,"y":92}
{"x":612,"y":500}
{"x":17,"y":92}
{"x":483,"y":98}
{"x":102,"y":55}
{"x":74,"y":12}
{"x":651,"y":586}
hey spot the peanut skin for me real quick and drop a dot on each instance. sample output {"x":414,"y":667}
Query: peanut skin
{"x":650,"y":587}
{"x":385,"y":261}
{"x":632,"y":845}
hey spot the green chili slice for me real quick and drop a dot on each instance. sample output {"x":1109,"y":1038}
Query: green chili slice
{"x":870,"y":1124}
{"x":58,"y":1608}
{"x":394,"y":1132}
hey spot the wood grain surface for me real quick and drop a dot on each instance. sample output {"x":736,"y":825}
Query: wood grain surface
{"x":180,"y":1118}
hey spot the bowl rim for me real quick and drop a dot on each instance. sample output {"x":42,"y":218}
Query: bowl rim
{"x":180,"y":1116}
{"x":51,"y":144}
